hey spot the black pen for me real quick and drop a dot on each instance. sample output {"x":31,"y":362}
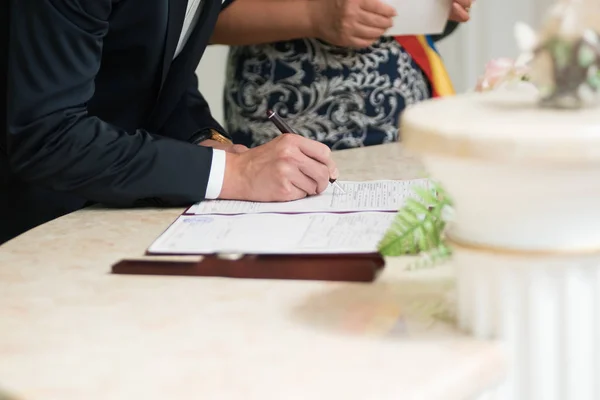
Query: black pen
{"x":285,"y":128}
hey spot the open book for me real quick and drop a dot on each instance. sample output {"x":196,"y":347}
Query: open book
{"x":330,"y":223}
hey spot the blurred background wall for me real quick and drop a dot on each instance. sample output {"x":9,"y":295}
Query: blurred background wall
{"x":488,"y":35}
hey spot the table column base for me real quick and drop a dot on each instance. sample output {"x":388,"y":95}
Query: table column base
{"x":546,"y":309}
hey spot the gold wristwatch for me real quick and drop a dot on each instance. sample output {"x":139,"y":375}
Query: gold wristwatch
{"x":216,"y":136}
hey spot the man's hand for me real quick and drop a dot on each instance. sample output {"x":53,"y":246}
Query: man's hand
{"x":350,"y":23}
{"x":287,"y":168}
{"x":230,"y":148}
{"x":460,"y":10}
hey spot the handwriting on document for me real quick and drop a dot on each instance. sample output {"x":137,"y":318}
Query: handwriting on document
{"x":385,"y":195}
{"x":274,"y":234}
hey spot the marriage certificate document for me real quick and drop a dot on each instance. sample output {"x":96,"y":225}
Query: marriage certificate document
{"x":351,"y":221}
{"x":385,"y":195}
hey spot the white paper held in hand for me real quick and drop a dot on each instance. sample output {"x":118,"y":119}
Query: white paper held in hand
{"x":419,"y":17}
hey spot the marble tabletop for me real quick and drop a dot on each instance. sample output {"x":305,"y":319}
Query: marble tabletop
{"x":69,"y":330}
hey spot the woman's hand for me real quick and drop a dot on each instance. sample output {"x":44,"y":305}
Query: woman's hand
{"x":350,"y":23}
{"x":460,"y":10}
{"x":344,"y":23}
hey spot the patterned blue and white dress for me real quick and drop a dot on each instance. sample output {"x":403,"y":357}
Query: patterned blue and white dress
{"x":342,"y":97}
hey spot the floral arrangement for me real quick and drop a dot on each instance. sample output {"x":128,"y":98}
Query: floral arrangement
{"x":500,"y":73}
{"x":564,"y":55}
{"x":561,"y":64}
{"x":419,"y":227}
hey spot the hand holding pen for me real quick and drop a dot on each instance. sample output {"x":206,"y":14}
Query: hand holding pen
{"x":289,"y":167}
{"x":285,"y":128}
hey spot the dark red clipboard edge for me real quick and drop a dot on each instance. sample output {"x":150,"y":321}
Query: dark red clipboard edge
{"x":328,"y":267}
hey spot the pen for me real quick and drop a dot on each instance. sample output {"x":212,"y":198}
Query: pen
{"x":285,"y":128}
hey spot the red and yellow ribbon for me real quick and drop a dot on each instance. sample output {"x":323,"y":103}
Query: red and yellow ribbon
{"x":422,"y":50}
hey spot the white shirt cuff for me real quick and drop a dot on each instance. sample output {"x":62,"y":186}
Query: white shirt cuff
{"x":217,"y":175}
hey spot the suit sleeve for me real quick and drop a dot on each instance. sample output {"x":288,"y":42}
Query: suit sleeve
{"x":55,"y":52}
{"x":191,"y":120}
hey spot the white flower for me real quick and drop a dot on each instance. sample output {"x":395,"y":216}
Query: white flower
{"x":500,"y":71}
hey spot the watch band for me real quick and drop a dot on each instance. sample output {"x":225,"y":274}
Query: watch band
{"x":216,"y":136}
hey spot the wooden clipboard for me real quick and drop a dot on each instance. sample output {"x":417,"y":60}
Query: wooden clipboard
{"x":342,"y":268}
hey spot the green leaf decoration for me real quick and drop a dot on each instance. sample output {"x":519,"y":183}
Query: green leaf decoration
{"x":586,"y":56}
{"x":560,"y":51}
{"x":594,"y":79}
{"x":431,"y":258}
{"x":419,"y":228}
{"x":546,"y":90}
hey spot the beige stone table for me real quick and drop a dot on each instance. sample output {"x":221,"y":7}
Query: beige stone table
{"x":69,"y":330}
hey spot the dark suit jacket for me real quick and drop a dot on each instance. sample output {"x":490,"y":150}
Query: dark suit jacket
{"x":98,"y":110}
